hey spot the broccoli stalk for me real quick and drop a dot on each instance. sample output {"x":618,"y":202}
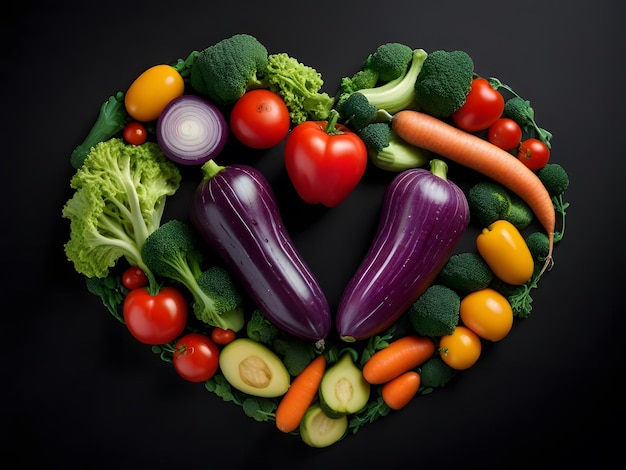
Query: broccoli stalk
{"x":171,"y":251}
{"x":111,"y":120}
{"x":119,"y":199}
{"x":519,"y":109}
{"x":390,"y":152}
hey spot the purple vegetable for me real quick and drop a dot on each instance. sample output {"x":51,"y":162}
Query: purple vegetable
{"x":191,"y":130}
{"x":423,"y":217}
{"x":235,"y":211}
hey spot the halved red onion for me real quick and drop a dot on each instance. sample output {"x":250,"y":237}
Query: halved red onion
{"x":191,"y":130}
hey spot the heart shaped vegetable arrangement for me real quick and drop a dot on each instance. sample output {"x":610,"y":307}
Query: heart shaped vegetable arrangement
{"x":224,"y":294}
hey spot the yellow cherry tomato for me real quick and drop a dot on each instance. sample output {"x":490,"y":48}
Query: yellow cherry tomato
{"x":460,"y":349}
{"x":152,"y":91}
{"x":505,"y":251}
{"x":487,"y":313}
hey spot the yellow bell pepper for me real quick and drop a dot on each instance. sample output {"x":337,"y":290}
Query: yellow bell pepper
{"x":505,"y":251}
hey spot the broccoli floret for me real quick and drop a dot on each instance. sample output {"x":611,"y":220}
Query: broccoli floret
{"x":520,"y":111}
{"x":466,"y":272}
{"x":296,"y":354}
{"x":556,"y":181}
{"x":389,"y":151}
{"x":171,"y":251}
{"x":299,"y":85}
{"x":442,"y":86}
{"x":436,"y":312}
{"x":435,"y":373}
{"x":119,"y":199}
{"x":365,"y":78}
{"x":111,"y":120}
{"x":490,"y":201}
{"x":357,"y":112}
{"x":538,"y":245}
{"x":260,"y":329}
{"x":224,"y":71}
{"x":390,"y":60}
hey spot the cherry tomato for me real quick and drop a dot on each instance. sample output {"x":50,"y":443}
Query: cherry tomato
{"x":260,"y":119}
{"x":222,"y":336}
{"x":135,"y":133}
{"x":487,"y":313}
{"x":152,"y":91}
{"x":534,"y":154}
{"x":133,"y":278}
{"x":505,"y":133}
{"x":196,"y":357}
{"x":460,"y":349}
{"x":324,"y":167}
{"x":483,"y":106}
{"x":504,"y":249}
{"x":155,"y":319}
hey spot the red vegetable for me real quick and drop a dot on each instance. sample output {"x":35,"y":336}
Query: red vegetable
{"x":423,"y":217}
{"x":260,"y":119}
{"x":191,"y":130}
{"x":325,"y":161}
{"x":196,"y":357}
{"x":155,"y":318}
{"x":483,"y":106}
{"x":534,"y":154}
{"x":235,"y":211}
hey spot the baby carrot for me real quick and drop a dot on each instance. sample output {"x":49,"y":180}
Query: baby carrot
{"x":300,"y":395}
{"x":398,"y":392}
{"x":432,"y":134}
{"x":398,"y":357}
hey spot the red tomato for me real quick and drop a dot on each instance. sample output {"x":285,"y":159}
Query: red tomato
{"x":324,"y":167}
{"x":135,"y":133}
{"x":534,"y":154}
{"x":505,"y":133}
{"x":222,"y":336}
{"x":158,"y":318}
{"x":260,"y":119}
{"x":196,"y":357}
{"x":134,"y":278}
{"x":483,"y":106}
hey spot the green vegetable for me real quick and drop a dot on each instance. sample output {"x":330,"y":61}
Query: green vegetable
{"x":172,"y":252}
{"x":390,"y":152}
{"x":258,"y":408}
{"x":296,"y":354}
{"x":556,"y":181}
{"x":111,"y":120}
{"x":442,"y":86}
{"x":260,"y":329}
{"x":392,"y":96}
{"x":435,"y":313}
{"x":538,"y":245}
{"x":434,"y":373}
{"x":466,"y":272}
{"x":110,"y":290}
{"x":520,"y":111}
{"x":224,"y":71}
{"x":119,"y":198}
{"x":299,"y":85}
{"x":357,"y":111}
{"x":490,"y":201}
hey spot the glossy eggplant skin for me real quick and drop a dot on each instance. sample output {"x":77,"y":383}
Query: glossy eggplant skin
{"x":423,"y":217}
{"x":235,"y":212}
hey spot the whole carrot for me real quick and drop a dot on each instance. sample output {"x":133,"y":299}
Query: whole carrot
{"x":300,"y":395}
{"x":398,"y":357}
{"x":430,"y":133}
{"x":398,"y":392}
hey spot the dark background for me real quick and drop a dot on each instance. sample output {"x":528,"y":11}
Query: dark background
{"x":81,"y":393}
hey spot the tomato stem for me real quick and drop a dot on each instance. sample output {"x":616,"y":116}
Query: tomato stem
{"x":330,"y":128}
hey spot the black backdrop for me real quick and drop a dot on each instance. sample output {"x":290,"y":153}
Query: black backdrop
{"x":82,"y":393}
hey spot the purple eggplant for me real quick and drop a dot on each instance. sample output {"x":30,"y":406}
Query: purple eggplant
{"x":234,"y":209}
{"x":423,"y":218}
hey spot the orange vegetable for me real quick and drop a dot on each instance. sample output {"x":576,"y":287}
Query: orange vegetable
{"x":432,"y":134}
{"x":487,"y":313}
{"x":400,"y":356}
{"x":152,"y":91}
{"x":398,"y":392}
{"x":504,"y":249}
{"x":300,"y":395}
{"x":460,"y":349}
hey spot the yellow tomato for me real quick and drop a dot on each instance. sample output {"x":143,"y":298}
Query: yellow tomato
{"x":460,"y":349}
{"x":505,"y":251}
{"x":487,"y":313}
{"x":152,"y":91}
